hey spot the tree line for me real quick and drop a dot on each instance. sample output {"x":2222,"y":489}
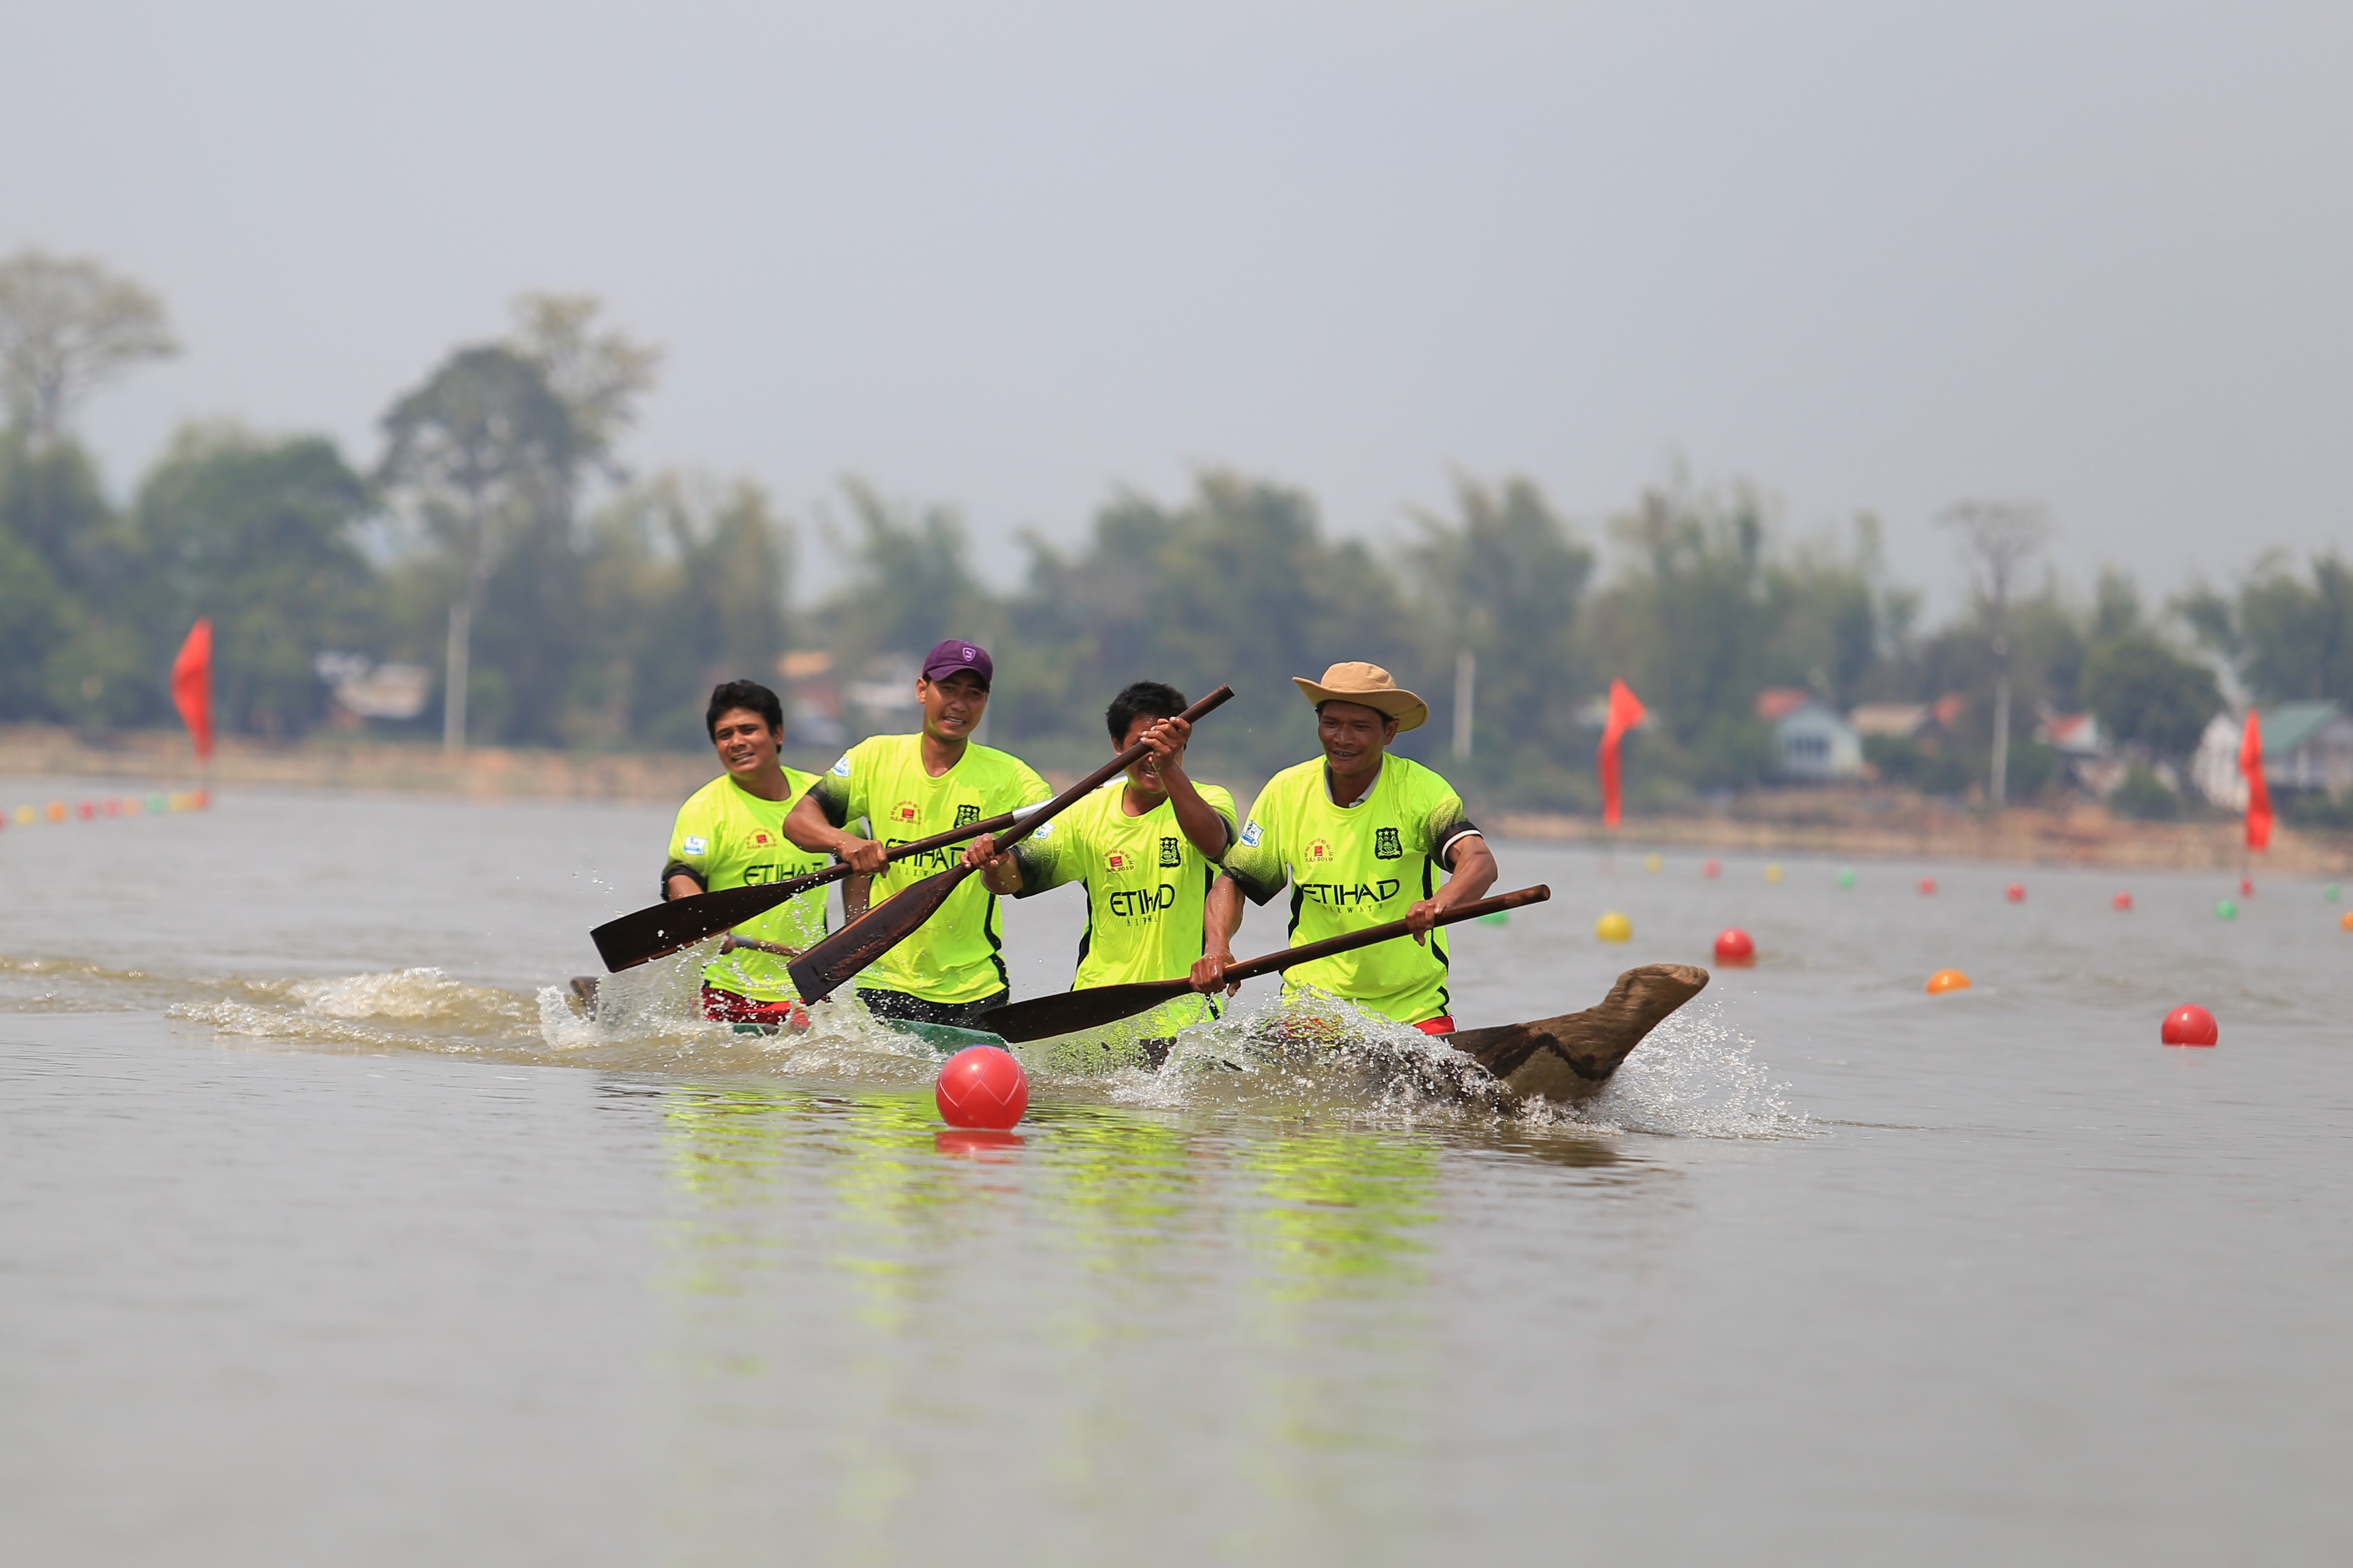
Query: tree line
{"x":498,"y":538}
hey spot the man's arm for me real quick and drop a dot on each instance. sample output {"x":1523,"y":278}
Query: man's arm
{"x":680,"y":885}
{"x":1221,"y":916}
{"x":1471,"y":871}
{"x":807,"y":826}
{"x":1203,"y":826}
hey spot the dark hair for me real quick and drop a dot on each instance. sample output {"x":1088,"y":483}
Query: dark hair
{"x":1145,"y":699}
{"x":749,"y":695}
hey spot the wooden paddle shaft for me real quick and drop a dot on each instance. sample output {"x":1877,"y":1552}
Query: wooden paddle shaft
{"x":1111,"y":770}
{"x":1351,"y":941}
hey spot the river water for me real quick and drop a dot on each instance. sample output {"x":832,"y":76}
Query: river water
{"x":330,"y":1235}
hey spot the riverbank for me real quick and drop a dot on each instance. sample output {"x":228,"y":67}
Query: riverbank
{"x":1857,"y":822}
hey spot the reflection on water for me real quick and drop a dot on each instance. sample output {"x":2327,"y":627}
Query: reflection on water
{"x":824,"y":1254}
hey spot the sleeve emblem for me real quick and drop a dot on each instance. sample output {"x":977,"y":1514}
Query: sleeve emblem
{"x":841,"y":767}
{"x":1251,"y":835}
{"x":697,"y":845}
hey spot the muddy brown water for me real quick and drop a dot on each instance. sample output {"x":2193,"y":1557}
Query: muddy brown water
{"x":330,"y":1235}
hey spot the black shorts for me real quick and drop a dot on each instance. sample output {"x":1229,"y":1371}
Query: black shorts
{"x":916,"y":1010}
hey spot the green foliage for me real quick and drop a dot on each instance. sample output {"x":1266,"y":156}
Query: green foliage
{"x":2034,"y":766}
{"x":2145,"y":694}
{"x":2289,"y":637}
{"x":2144,"y":797}
{"x":260,"y":535}
{"x":2314,"y":811}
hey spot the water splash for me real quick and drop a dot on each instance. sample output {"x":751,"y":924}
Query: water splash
{"x":1696,"y":1076}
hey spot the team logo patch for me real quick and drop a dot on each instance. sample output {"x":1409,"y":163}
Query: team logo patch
{"x":1319,"y":852}
{"x":760,"y":839}
{"x":1118,"y":860}
{"x":967,"y":815}
{"x":905,"y":812}
{"x":1169,"y":854}
{"x":697,"y":845}
{"x":841,"y":768}
{"x":1251,"y":833}
{"x":1384,"y":843}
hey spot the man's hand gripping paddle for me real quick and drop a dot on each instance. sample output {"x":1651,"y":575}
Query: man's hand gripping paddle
{"x":660,"y":929}
{"x":1043,"y":1018}
{"x":823,"y":968}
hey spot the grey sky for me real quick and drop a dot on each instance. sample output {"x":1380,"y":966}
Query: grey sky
{"x":1007,"y":255}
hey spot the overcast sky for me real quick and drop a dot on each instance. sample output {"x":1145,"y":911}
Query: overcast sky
{"x":1010,"y":256}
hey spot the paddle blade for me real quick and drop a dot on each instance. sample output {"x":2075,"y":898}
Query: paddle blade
{"x":825,"y":968}
{"x":660,"y":929}
{"x":1043,"y":1018}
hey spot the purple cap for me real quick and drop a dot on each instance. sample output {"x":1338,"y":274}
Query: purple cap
{"x":952,"y":656}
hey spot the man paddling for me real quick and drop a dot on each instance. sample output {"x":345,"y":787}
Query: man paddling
{"x":1360,"y":837}
{"x":911,"y":787}
{"x":1146,"y":846}
{"x":731,"y":834}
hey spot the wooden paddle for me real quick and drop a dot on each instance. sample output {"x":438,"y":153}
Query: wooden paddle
{"x":659,"y":929}
{"x":1043,"y":1018}
{"x":823,"y":968}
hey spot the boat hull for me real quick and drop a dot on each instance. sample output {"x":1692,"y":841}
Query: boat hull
{"x":1570,"y":1057}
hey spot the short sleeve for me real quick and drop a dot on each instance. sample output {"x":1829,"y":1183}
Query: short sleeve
{"x":840,"y":790}
{"x":690,"y":845}
{"x":1257,"y":862}
{"x":1221,"y":801}
{"x":1443,"y":820}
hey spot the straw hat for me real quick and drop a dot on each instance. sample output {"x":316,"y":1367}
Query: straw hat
{"x":1370,"y":685}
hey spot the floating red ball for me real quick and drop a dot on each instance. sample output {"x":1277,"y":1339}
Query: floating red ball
{"x":2246,"y":887}
{"x":1733,"y":946}
{"x":981,"y":1085}
{"x":2190,"y":1024}
{"x":1928,"y":887}
{"x":2122,"y":901}
{"x":2015,"y":892}
{"x":1712,"y":870}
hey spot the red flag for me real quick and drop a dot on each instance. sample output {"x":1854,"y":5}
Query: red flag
{"x":1625,"y":713}
{"x":192,"y":685}
{"x":2259,"y":795}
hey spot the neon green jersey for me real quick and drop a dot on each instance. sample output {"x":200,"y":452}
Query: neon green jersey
{"x":1354,"y":867}
{"x":1146,"y":886}
{"x":954,"y":956}
{"x":726,"y":837}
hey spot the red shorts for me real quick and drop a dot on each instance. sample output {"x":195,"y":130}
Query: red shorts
{"x":726,"y":1007}
{"x":1442,"y":1024}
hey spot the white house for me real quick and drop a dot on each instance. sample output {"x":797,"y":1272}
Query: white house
{"x":1812,"y":743}
{"x":2307,"y":745}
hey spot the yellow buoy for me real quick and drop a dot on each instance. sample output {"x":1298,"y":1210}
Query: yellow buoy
{"x":1652,"y":862}
{"x":1945,"y":980}
{"x":1773,"y":872}
{"x":1614,"y":927}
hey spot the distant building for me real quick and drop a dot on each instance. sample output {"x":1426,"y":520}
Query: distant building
{"x":1813,"y":744}
{"x":2072,"y":734}
{"x":1926,"y":722}
{"x":2307,"y":746}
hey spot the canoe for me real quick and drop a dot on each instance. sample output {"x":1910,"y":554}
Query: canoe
{"x":1567,"y":1058}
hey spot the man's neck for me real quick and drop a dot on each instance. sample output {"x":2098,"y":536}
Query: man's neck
{"x":940,"y":755}
{"x":768,"y":783}
{"x":1137,"y":801}
{"x":1352,"y":787}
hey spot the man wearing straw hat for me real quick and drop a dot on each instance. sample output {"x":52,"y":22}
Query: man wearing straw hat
{"x":1360,"y":837}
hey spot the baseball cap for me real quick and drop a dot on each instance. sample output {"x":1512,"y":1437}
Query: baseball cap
{"x":953,"y":656}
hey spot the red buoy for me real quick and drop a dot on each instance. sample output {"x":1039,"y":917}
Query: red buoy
{"x":2190,"y":1024}
{"x":1712,"y":870}
{"x":2015,"y":892}
{"x":1733,"y":946}
{"x":2122,"y":901}
{"x":2246,"y":887}
{"x":982,"y":1087}
{"x":1928,"y":887}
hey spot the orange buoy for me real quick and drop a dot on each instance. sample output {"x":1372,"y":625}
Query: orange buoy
{"x":2188,"y":1024}
{"x":1928,"y":887}
{"x":2122,"y":901}
{"x":1734,"y":945}
{"x":2015,"y":892}
{"x":2345,"y":920}
{"x":1945,"y":980}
